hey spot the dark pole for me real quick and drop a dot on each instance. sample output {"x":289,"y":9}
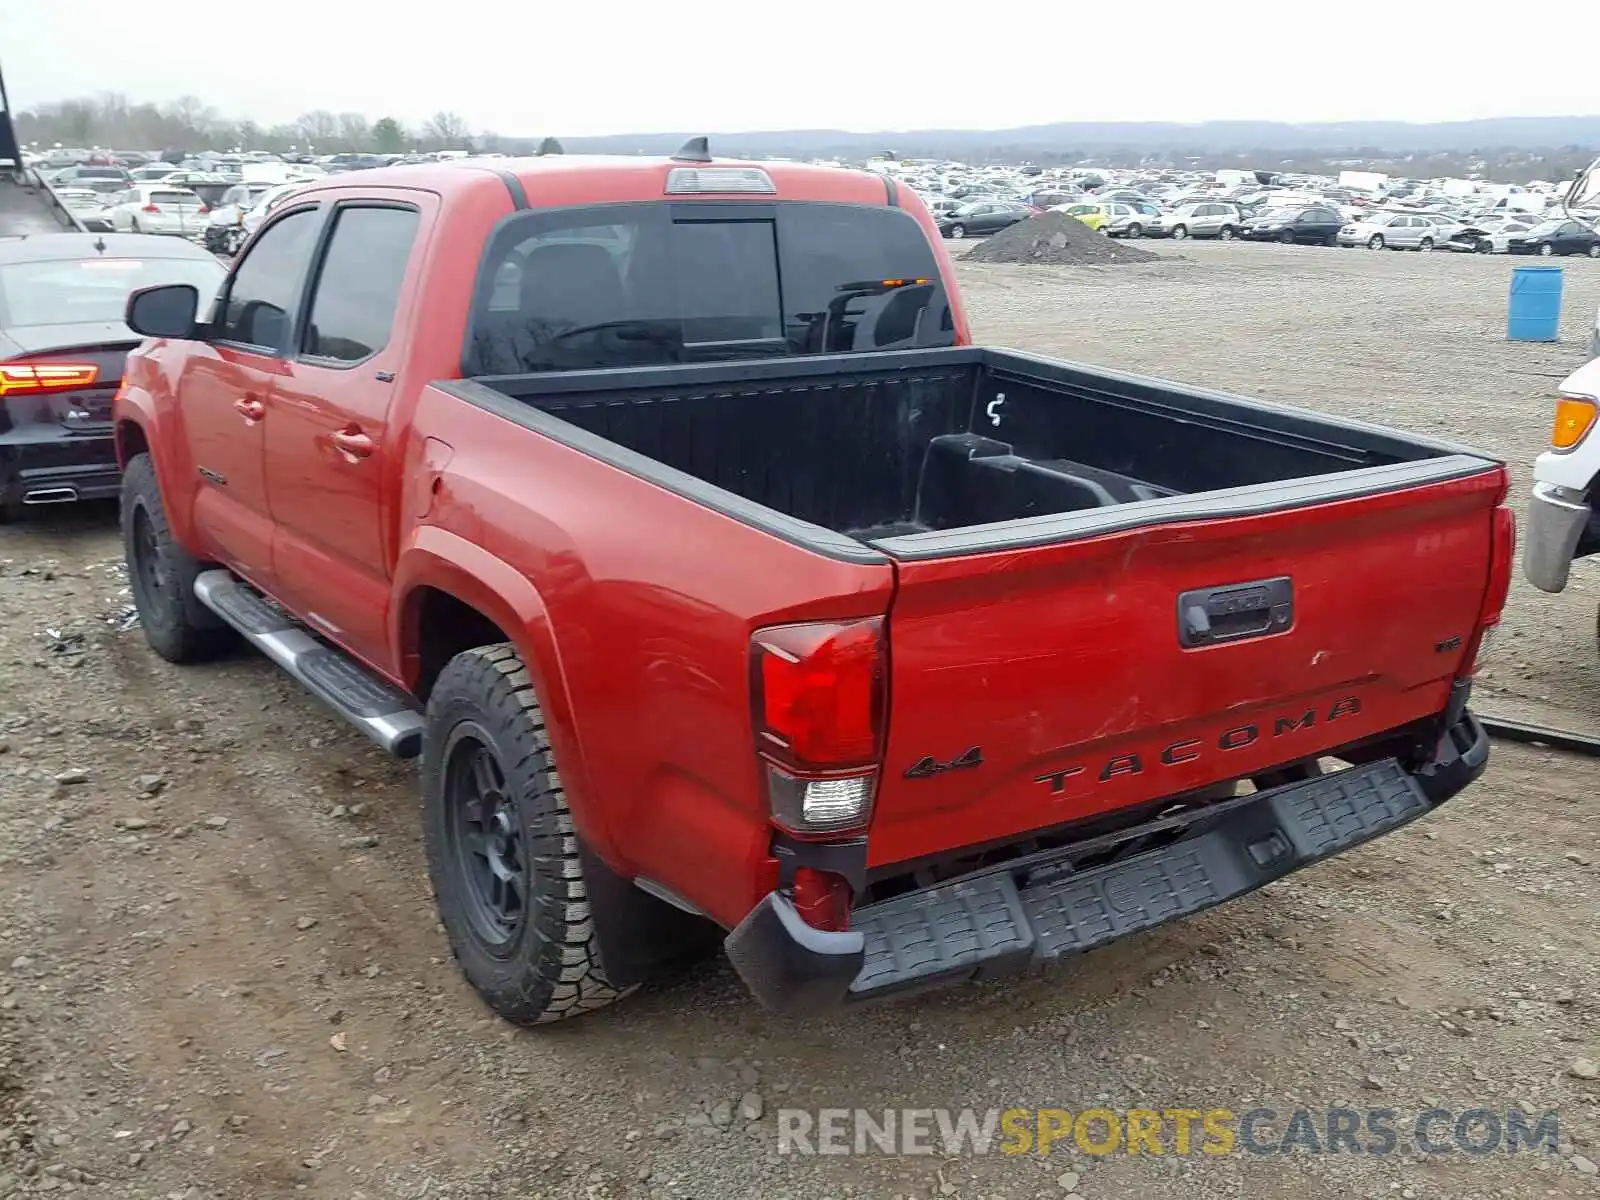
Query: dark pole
{"x":8,"y":134}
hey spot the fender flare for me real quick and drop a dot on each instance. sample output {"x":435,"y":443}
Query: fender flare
{"x":436,"y":558}
{"x":134,"y":407}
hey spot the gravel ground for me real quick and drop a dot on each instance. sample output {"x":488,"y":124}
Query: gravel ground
{"x":220,"y":973}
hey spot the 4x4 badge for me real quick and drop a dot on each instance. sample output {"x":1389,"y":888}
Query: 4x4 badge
{"x":928,"y":767}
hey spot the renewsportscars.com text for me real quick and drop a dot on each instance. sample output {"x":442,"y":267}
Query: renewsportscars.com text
{"x":1178,"y":1131}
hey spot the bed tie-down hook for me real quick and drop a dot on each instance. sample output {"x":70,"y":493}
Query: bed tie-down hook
{"x":993,"y":408}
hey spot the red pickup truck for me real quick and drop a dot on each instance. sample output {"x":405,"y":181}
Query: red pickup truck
{"x":665,"y":509}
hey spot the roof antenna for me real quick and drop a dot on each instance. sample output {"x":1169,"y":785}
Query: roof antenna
{"x":550,"y":146}
{"x":696,"y":149}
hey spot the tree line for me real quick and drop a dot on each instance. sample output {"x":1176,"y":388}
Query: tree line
{"x":111,"y":120}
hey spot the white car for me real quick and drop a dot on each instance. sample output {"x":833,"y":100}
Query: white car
{"x":158,"y":208}
{"x":225,"y":231}
{"x":267,"y":202}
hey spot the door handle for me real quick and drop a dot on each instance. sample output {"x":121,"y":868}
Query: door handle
{"x":250,"y":408}
{"x":353,"y":442}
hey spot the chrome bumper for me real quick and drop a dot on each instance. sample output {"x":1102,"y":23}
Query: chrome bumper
{"x":1557,"y":518}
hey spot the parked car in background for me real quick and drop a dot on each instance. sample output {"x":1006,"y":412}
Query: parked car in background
{"x":158,"y":208}
{"x":986,"y":216}
{"x":1207,"y":219}
{"x":1556,"y":237}
{"x":267,"y":203}
{"x":1091,"y":214}
{"x":88,"y":206}
{"x":62,"y":347}
{"x":105,"y":180}
{"x":1130,"y":219}
{"x":1392,"y":231}
{"x":1314,"y":226}
{"x":154,"y":173}
{"x":1486,"y":237}
{"x":225,"y":231}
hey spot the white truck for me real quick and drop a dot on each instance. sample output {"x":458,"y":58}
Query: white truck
{"x":1563,"y":521}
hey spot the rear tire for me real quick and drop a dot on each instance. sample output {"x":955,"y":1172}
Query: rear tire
{"x":1594,"y":250}
{"x":1331,"y":240}
{"x":161,"y":575}
{"x":1135,"y":230}
{"x":501,"y":848}
{"x":1225,"y":234}
{"x":134,"y":225}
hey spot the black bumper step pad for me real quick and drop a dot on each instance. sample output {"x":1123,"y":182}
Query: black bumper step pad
{"x":249,"y":611}
{"x":991,"y":924}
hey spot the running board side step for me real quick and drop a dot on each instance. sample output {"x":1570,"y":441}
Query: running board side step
{"x":382,"y":712}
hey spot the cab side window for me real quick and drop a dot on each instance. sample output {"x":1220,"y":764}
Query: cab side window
{"x":262,"y":294}
{"x":358,"y":287}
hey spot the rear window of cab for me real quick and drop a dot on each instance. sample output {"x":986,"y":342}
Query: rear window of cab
{"x":656,"y":283}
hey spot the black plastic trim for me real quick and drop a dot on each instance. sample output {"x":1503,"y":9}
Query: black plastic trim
{"x":799,"y":533}
{"x":791,"y":968}
{"x":1250,"y":500}
{"x":891,"y":192}
{"x":519,"y":194}
{"x":847,"y":859}
{"x":1000,"y":919}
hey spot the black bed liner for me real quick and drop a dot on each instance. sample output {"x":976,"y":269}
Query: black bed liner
{"x":928,"y":453}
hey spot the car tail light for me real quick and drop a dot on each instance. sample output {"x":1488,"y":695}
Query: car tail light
{"x":23,"y":378}
{"x":1502,"y":554}
{"x":818,"y":697}
{"x":1575,"y":416}
{"x":204,"y":209}
{"x":151,"y":208}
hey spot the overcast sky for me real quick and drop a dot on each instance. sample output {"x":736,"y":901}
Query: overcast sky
{"x":618,"y":66}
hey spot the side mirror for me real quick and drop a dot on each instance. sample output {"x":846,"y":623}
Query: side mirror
{"x":165,"y":311}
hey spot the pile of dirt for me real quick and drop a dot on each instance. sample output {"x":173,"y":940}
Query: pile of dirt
{"x":1056,"y":238}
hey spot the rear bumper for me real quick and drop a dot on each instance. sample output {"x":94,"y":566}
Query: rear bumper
{"x":1000,"y":922}
{"x":1556,"y":521}
{"x":54,"y":470}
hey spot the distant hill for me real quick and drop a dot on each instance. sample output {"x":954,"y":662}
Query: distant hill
{"x":1090,"y":137}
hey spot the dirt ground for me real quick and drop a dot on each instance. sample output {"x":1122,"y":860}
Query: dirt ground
{"x":221,"y":976}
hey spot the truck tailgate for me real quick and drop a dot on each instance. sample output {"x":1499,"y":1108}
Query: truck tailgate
{"x":1050,"y":684}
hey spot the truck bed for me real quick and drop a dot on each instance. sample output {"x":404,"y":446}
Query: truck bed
{"x":929,"y":453}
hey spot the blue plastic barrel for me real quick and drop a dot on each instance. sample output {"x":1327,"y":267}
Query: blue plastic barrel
{"x":1534,"y":314}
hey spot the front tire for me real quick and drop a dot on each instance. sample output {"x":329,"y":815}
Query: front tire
{"x":1546,"y":250}
{"x":1375,"y":242}
{"x":1287,"y":237}
{"x":1179,"y":232}
{"x":501,"y":847}
{"x":957,"y":232}
{"x":161,"y":575}
{"x":1425,"y":246}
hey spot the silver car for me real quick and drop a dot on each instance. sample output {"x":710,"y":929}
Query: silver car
{"x":1207,"y":219}
{"x":1394,"y":231}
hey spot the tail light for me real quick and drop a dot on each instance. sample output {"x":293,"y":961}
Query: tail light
{"x":819,"y":694}
{"x":1502,"y":554}
{"x":151,"y":208}
{"x":204,"y":209}
{"x":23,"y":378}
